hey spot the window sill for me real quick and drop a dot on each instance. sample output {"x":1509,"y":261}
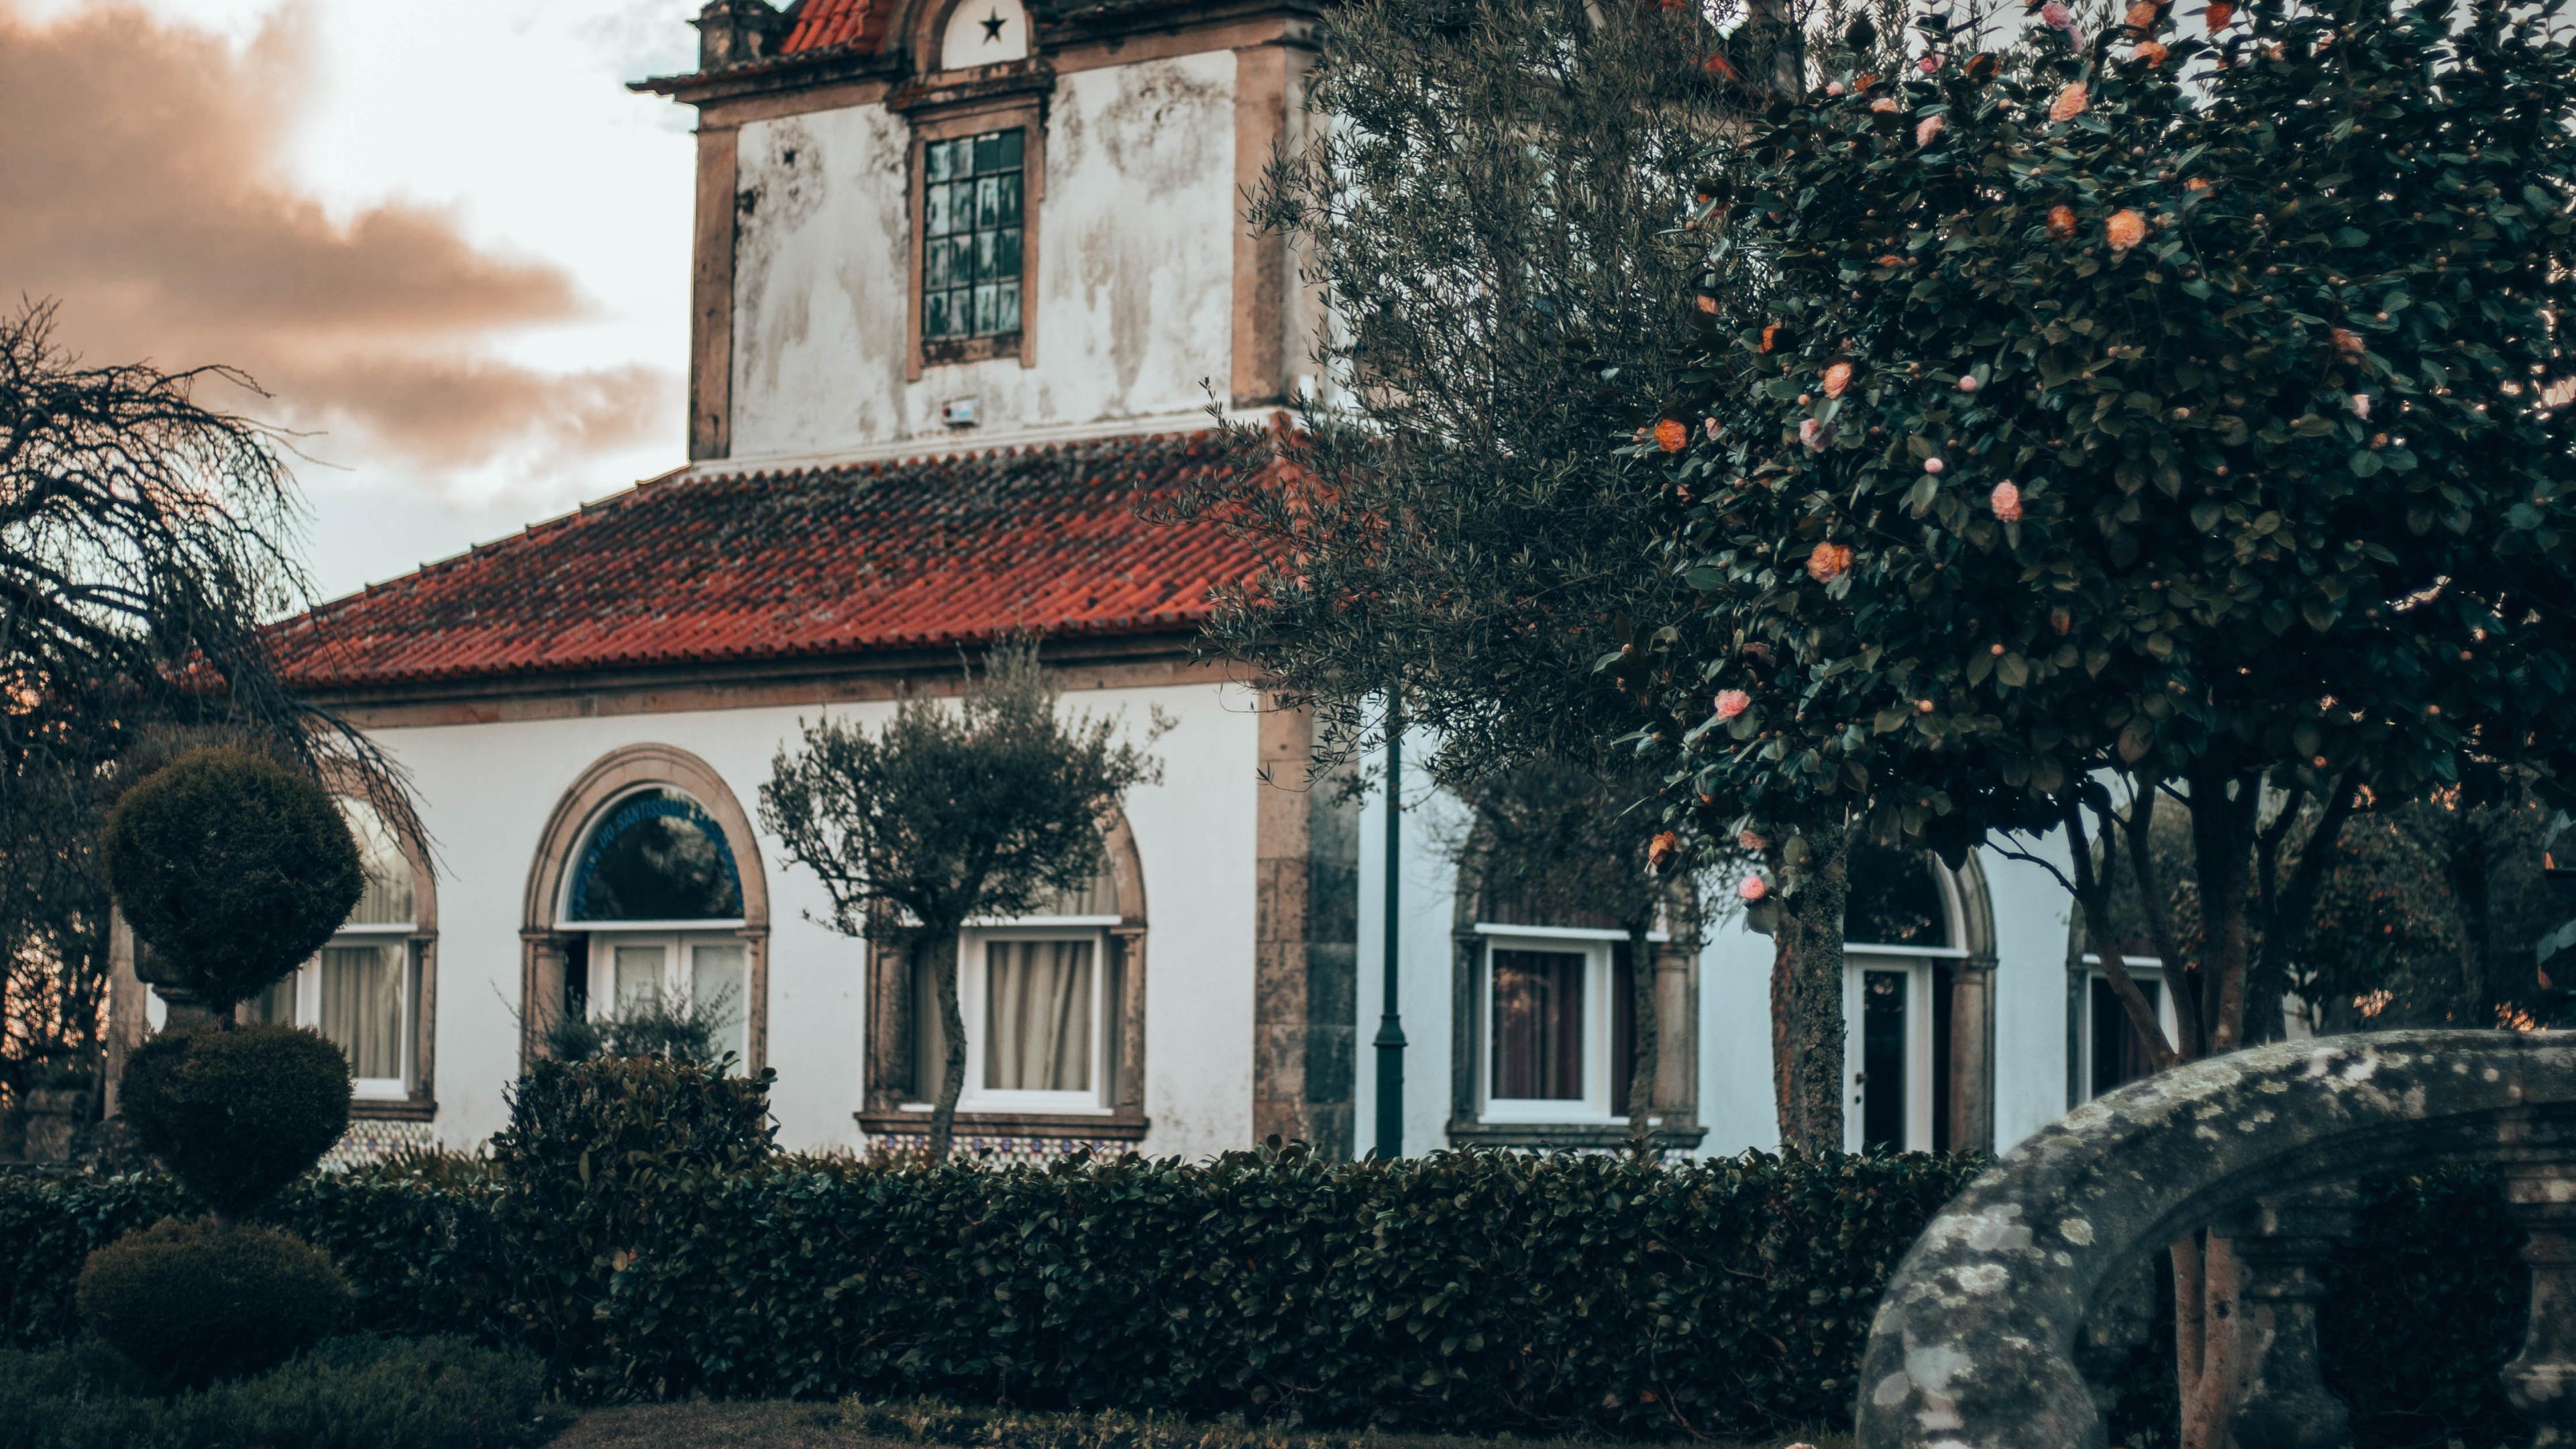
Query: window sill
{"x":1106,"y":1126}
{"x":393,"y":1109}
{"x":950,"y":351}
{"x":1568,"y":1136}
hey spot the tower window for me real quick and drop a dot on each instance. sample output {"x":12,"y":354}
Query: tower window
{"x":972,"y":196}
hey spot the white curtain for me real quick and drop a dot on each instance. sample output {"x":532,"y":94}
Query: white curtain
{"x":1037,"y":1016}
{"x":362,"y":1007}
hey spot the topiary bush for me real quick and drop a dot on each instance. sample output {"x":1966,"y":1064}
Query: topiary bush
{"x":237,"y":1114}
{"x":193,"y":1302}
{"x":233,"y":869}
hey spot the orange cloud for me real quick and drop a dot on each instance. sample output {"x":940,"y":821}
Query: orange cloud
{"x":142,"y":185}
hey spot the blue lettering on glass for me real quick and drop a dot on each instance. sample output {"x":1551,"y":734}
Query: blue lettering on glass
{"x":604,"y":848}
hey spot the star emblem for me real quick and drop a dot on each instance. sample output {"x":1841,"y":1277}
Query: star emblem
{"x":992,"y":23}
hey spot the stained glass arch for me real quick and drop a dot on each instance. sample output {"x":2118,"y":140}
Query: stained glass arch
{"x":654,"y":855}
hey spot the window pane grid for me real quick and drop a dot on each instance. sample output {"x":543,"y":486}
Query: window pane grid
{"x":972,"y":200}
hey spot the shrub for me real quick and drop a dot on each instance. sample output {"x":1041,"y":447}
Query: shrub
{"x":352,"y":1393}
{"x":589,"y":1167}
{"x":233,"y":868}
{"x":237,"y":1114}
{"x":193,"y":1302}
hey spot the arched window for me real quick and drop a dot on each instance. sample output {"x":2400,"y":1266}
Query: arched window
{"x":1902,"y":947}
{"x":364,"y":989}
{"x":653,"y":902}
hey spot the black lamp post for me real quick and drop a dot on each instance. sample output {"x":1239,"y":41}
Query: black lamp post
{"x":1390,"y":1023}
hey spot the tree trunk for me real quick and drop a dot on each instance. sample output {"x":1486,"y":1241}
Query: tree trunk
{"x":952,"y":1031}
{"x":1783,"y":994}
{"x":2209,"y":1401}
{"x":1641,"y":1072}
{"x":1813,"y":918}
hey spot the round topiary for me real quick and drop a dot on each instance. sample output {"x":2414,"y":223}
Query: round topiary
{"x":233,"y":869}
{"x":237,"y":1114}
{"x":194,"y":1302}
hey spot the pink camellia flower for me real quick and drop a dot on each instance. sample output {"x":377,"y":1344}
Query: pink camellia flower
{"x":1710,"y":428}
{"x":1837,"y":377}
{"x":2361,"y":405}
{"x":1930,"y":64}
{"x":1833,"y":88}
{"x":1968,"y":383}
{"x":1927,"y":130}
{"x":2006,"y":500}
{"x":2055,"y":15}
{"x":2070,"y":102}
{"x":1753,"y":888}
{"x":1933,"y":465}
{"x":1751,"y":840}
{"x":1883,"y":103}
{"x":1732,"y":702}
{"x":1811,"y":431}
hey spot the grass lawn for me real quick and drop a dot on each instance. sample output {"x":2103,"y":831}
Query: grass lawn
{"x":772,"y":1424}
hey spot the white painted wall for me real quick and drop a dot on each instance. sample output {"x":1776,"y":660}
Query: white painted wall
{"x":487,"y":789}
{"x":1135,"y":266}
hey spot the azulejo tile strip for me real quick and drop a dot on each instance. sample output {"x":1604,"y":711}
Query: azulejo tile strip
{"x":368,"y":1140}
{"x":1001,"y":1151}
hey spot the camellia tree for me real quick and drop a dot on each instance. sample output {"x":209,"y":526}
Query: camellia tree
{"x":949,"y":815}
{"x":2135,"y":415}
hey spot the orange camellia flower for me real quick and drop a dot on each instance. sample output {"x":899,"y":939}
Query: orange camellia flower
{"x":1929,"y":128}
{"x":1891,"y":260}
{"x":2061,"y":222}
{"x":1828,"y":562}
{"x":1708,"y":304}
{"x":1671,"y":436}
{"x":1837,"y":377}
{"x":2220,"y":12}
{"x":2069,"y":103}
{"x":2197,"y":183}
{"x":2347,"y":342}
{"x":1664,"y":849}
{"x":2126,"y":229}
{"x":2151,"y":53}
{"x":2142,"y":16}
{"x":1770,"y":336}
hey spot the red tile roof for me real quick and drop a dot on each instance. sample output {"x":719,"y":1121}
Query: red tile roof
{"x":928,"y":553}
{"x":822,"y":24}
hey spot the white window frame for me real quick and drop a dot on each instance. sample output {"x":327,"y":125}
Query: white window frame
{"x":676,"y":940}
{"x":308,"y":1003}
{"x":2140,"y":971}
{"x":1861,"y":957}
{"x":971,"y":980}
{"x":1916,"y":964}
{"x":1595,"y":947}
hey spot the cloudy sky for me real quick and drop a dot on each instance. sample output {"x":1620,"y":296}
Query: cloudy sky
{"x":444,"y":238}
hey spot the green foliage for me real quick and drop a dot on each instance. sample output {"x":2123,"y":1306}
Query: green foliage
{"x":594,"y":1154}
{"x":681,"y":1026}
{"x":193,"y":1302}
{"x":1486,"y":202}
{"x":233,"y":868}
{"x":949,"y":814}
{"x":2288,"y":492}
{"x":1468,"y":1293}
{"x":239,"y":1113}
{"x":349,"y":1393}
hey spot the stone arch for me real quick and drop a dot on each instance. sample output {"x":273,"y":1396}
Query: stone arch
{"x":542,"y":944}
{"x":1972,"y":1006}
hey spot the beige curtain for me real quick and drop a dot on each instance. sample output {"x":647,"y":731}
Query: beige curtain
{"x":362,"y":1006}
{"x":1037,"y":1016}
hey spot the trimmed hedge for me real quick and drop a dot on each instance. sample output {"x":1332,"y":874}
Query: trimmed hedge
{"x":349,"y":1393}
{"x":190,"y":1303}
{"x":1466,"y":1292}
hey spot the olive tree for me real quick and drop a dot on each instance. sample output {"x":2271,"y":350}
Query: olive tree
{"x":948,"y":815}
{"x":2137,"y":417}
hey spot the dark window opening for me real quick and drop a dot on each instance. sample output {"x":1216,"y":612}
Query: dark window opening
{"x":1538,"y":1025}
{"x":1893,"y":899}
{"x":1882,"y":1065}
{"x":2119,"y":1053}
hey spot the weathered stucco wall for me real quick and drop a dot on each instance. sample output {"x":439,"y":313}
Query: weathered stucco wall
{"x":1135,"y":257}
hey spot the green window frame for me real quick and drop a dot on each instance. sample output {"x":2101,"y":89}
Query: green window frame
{"x":974,"y":232}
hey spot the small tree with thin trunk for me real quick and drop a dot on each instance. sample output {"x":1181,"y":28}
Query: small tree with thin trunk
{"x":949,"y":815}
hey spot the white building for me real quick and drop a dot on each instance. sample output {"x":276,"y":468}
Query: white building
{"x":961,"y":270}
